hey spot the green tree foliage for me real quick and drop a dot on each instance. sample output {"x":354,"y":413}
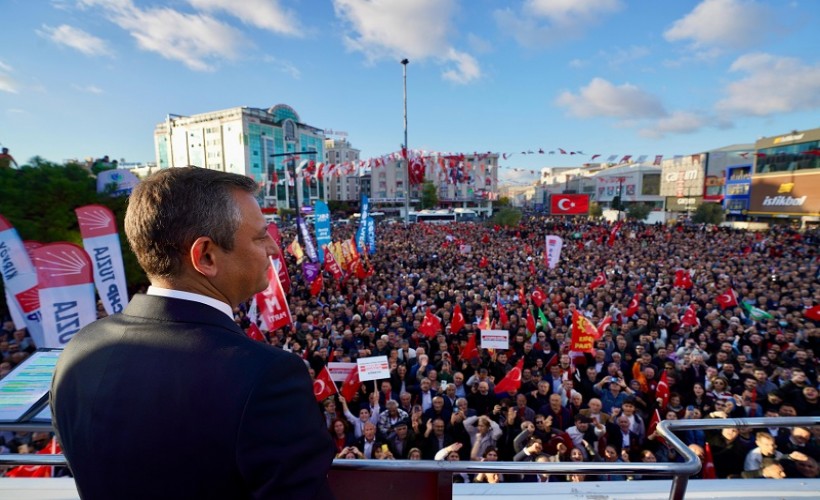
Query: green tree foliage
{"x":429,"y":196}
{"x":39,"y":201}
{"x":638,"y":211}
{"x":507,"y":216}
{"x":708,"y":213}
{"x":502,"y":202}
{"x":595,"y":209}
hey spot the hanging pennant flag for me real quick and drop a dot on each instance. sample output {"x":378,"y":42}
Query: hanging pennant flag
{"x":273,"y":304}
{"x":323,"y":385}
{"x":584,"y":333}
{"x":20,"y":280}
{"x":66,"y":284}
{"x":321,"y":225}
{"x":457,"y":322}
{"x":511,"y":381}
{"x":552,"y":254}
{"x":98,"y":228}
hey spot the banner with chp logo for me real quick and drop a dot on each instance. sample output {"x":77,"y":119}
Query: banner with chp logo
{"x":98,"y":228}
{"x":792,"y":193}
{"x":569,"y":204}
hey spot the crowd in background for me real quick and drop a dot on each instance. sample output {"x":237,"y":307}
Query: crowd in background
{"x":439,"y":404}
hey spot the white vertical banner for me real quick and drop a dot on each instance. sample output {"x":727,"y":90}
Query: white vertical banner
{"x":20,"y":279}
{"x":102,"y":243}
{"x":552,"y":253}
{"x":67,"y":300}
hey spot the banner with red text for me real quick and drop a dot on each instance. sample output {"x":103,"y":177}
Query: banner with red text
{"x":102,"y":244}
{"x":20,"y":280}
{"x":552,"y":255}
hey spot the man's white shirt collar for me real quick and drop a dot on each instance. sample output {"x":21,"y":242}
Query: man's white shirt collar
{"x":193,"y":297}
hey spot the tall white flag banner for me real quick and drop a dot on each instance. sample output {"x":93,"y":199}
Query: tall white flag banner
{"x":553,"y":250}
{"x":20,"y":280}
{"x":102,"y":243}
{"x":67,"y":300}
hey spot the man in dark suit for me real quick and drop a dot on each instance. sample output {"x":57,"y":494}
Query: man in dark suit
{"x":170,"y":399}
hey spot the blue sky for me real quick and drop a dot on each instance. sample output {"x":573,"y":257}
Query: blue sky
{"x":83,"y":78}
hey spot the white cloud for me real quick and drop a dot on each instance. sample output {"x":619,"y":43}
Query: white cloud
{"x":266,"y":14}
{"x":736,"y":24}
{"x":283,"y":66}
{"x":196,"y":40}
{"x":416,"y":30}
{"x":602,"y":98}
{"x":7,"y":82}
{"x":619,"y":56}
{"x":91,"y":89}
{"x":679,"y":122}
{"x":772,"y":85}
{"x":76,"y":39}
{"x":546,"y":22}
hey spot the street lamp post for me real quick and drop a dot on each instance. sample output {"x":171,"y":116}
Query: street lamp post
{"x":404,"y":63}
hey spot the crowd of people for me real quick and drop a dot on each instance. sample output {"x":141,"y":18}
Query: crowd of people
{"x":753,"y":359}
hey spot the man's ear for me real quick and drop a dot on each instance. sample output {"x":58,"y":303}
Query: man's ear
{"x":203,"y":256}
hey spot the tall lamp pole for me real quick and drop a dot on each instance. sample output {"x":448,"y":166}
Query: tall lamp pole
{"x":404,"y":63}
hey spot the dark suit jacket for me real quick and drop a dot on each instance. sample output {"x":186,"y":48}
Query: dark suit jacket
{"x":170,"y":399}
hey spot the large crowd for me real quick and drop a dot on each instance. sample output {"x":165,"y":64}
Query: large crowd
{"x":439,"y":404}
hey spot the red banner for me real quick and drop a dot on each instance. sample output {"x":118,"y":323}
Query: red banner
{"x":569,"y":204}
{"x":272,"y":303}
{"x":584,"y":333}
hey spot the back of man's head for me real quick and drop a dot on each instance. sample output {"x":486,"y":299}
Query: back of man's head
{"x":169,"y":210}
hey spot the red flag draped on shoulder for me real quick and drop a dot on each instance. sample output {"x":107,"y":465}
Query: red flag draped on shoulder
{"x":599,"y":280}
{"x":323,"y":385}
{"x":512,"y":380}
{"x":431,"y":325}
{"x":351,"y":385}
{"x":727,"y":299}
{"x":458,"y":320}
{"x":584,"y":333}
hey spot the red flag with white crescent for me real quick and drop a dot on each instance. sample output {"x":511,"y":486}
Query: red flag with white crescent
{"x":502,"y":315}
{"x":457,"y":323}
{"x":599,"y":280}
{"x":332,"y":266}
{"x":255,"y":333}
{"x":512,"y":380}
{"x":66,"y":283}
{"x":351,"y":385}
{"x":662,"y":391}
{"x":538,"y":296}
{"x":323,"y":385}
{"x":727,"y":299}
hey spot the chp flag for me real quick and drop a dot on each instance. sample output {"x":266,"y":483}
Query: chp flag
{"x":272,"y":303}
{"x":569,"y":204}
{"x":66,"y":282}
{"x":102,"y":244}
{"x":20,"y":280}
{"x":552,"y":255}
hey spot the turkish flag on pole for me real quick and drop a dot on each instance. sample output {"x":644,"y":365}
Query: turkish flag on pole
{"x":727,"y":299}
{"x":483,"y":262}
{"x":255,"y":333}
{"x":530,"y":321}
{"x":708,"y":463}
{"x":653,"y":424}
{"x":690,"y":317}
{"x":632,"y":308}
{"x":431,"y":325}
{"x":538,"y":296}
{"x":317,"y":286}
{"x":502,"y":314}
{"x":603,"y":325}
{"x":662,"y":391}
{"x":512,"y":380}
{"x":470,"y":350}
{"x":584,"y":333}
{"x":457,"y":322}
{"x":599,"y":280}
{"x":484,"y":324}
{"x":323,"y":386}
{"x":613,"y":235}
{"x":53,"y":448}
{"x":683,"y":279}
{"x":351,"y":385}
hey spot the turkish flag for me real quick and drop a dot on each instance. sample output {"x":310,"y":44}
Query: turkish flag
{"x":690,"y":317}
{"x":317,"y":286}
{"x":502,"y":314}
{"x":483,"y":263}
{"x":584,"y":333}
{"x":727,"y":299}
{"x":599,"y":280}
{"x":53,"y":448}
{"x":532,"y":268}
{"x":485,"y":239}
{"x":471,"y":349}
{"x":653,"y":424}
{"x":569,"y":204}
{"x":512,"y":380}
{"x":708,"y":463}
{"x":351,"y":385}
{"x":603,"y":325}
{"x":813,"y":313}
{"x":632,"y":308}
{"x":662,"y":391}
{"x":323,"y":386}
{"x":522,"y":297}
{"x":683,"y":279}
{"x":613,"y":235}
{"x":255,"y":333}
{"x":538,"y":296}
{"x":530,"y":321}
{"x":457,"y":322}
{"x":431,"y":325}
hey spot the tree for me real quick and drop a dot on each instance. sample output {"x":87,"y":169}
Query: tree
{"x":638,"y":211}
{"x":429,"y":196}
{"x":507,"y":216}
{"x":595,"y":209}
{"x":502,"y":202}
{"x":708,"y":213}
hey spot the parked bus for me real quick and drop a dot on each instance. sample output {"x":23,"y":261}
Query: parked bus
{"x":433,"y":216}
{"x":465,"y":214}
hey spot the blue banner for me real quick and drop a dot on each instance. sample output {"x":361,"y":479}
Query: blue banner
{"x":306,"y":240}
{"x":371,"y":235}
{"x":322,"y":227}
{"x":361,"y":233}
